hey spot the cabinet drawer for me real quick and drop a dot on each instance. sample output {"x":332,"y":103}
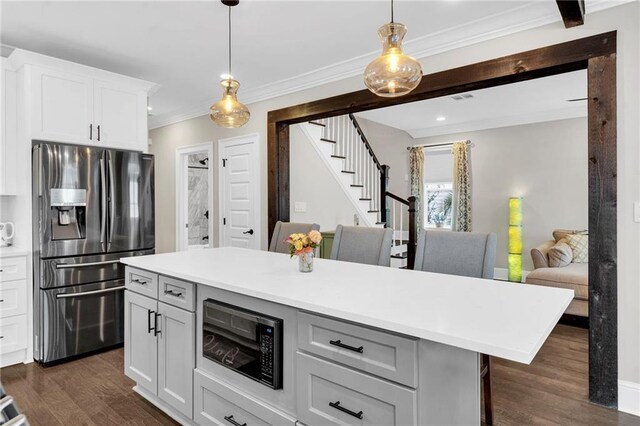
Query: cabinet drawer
{"x":13,"y":268}
{"x":142,"y":282}
{"x":13,"y":298}
{"x":13,"y":333}
{"x":177,"y":293}
{"x":216,"y":403}
{"x":331,"y":394}
{"x":386,"y":355}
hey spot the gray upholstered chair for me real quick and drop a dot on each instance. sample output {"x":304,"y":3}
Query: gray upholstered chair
{"x":284,"y":229}
{"x":469,"y":254}
{"x":361,"y":244}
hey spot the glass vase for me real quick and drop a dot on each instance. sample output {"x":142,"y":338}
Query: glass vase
{"x":305,"y":262}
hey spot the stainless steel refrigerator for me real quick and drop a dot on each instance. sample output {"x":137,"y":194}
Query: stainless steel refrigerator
{"x":91,"y":207}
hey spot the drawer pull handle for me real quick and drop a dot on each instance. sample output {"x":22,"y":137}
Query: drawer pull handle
{"x":137,"y":281}
{"x":337,"y":406}
{"x":1,"y":300}
{"x":342,"y":345}
{"x":173,"y":293}
{"x":231,"y":420}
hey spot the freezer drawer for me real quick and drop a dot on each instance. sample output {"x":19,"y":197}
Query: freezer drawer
{"x":80,"y":319}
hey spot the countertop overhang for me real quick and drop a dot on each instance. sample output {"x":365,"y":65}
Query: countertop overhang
{"x":501,"y":319}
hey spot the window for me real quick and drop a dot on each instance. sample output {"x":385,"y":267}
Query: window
{"x":438,"y":200}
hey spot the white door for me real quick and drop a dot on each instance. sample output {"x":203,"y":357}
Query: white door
{"x":120,"y":117}
{"x":62,"y":107}
{"x":239,"y":192}
{"x":176,"y":358}
{"x":140,"y":340}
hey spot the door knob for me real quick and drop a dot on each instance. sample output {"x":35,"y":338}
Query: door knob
{"x":250,"y":232}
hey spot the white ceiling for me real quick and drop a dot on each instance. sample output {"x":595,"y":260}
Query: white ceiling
{"x":279,"y":46}
{"x":532,"y":101}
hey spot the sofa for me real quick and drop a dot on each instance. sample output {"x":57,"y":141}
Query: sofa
{"x":574,"y":276}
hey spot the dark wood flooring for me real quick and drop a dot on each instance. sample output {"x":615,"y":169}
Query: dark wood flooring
{"x":94,"y":391}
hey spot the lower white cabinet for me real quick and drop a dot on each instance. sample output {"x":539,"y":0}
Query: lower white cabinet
{"x":159,"y":349}
{"x":14,"y":323}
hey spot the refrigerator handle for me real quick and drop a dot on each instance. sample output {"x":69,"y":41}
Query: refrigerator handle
{"x":103,"y":202}
{"x":112,"y":210}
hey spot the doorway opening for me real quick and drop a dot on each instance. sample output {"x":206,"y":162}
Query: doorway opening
{"x":194,"y":198}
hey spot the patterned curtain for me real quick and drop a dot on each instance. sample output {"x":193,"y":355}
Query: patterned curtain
{"x":416,"y":168}
{"x":461,"y":206}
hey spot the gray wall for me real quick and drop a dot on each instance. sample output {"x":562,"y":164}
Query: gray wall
{"x":545,"y":163}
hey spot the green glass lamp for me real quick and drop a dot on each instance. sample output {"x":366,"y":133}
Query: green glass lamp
{"x":515,"y":239}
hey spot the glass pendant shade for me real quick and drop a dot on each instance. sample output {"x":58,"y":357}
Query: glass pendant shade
{"x":393,"y":73}
{"x":229,"y":112}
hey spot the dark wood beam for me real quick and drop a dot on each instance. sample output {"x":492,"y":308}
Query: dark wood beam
{"x":572,"y":12}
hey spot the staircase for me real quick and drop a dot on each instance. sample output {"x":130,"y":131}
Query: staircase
{"x":343,"y":146}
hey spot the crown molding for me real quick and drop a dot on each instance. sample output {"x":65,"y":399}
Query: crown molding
{"x":511,"y":21}
{"x":494,"y":123}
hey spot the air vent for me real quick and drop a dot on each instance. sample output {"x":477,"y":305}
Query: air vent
{"x":462,"y":97}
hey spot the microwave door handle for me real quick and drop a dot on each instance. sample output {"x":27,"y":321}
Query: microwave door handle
{"x":103,"y":203}
{"x":112,"y":209}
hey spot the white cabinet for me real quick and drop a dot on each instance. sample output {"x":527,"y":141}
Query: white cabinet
{"x":62,"y":105}
{"x":8,"y":132}
{"x":72,"y":108}
{"x":159,"y":344}
{"x":13,"y":309}
{"x":140,"y":341}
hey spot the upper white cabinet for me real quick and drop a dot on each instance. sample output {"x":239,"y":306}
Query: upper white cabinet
{"x":8,"y":131}
{"x":72,"y":103}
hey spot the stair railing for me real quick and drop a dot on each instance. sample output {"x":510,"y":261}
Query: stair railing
{"x":397,"y":209}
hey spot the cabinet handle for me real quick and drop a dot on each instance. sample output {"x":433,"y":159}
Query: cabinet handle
{"x":173,"y":293}
{"x":1,"y":300}
{"x":98,"y":133}
{"x":231,"y":420}
{"x":342,"y":345}
{"x":139,"y":282}
{"x":155,"y":324}
{"x":90,"y":131}
{"x":337,"y":406}
{"x":149,"y":328}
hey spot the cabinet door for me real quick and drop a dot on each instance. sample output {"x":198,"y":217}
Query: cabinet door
{"x":140,"y":341}
{"x":8,"y":133}
{"x":62,"y":107}
{"x":120,"y":117}
{"x":176,"y":357}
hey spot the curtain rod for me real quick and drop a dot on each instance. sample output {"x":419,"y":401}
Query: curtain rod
{"x":439,"y":145}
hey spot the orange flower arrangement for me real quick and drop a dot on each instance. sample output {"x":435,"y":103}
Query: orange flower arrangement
{"x":303,"y":243}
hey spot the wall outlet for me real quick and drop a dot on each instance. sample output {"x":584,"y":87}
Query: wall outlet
{"x":636,"y":212}
{"x":300,"y":206}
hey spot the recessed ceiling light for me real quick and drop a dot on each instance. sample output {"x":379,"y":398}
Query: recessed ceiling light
{"x":441,"y":118}
{"x":149,"y":108}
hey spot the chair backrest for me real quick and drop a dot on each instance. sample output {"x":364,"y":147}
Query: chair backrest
{"x":284,"y":229}
{"x":361,"y":244}
{"x":469,"y":254}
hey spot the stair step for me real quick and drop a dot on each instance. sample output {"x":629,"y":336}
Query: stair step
{"x":403,"y":267}
{"x":349,"y":172}
{"x":400,"y":255}
{"x":357,"y":186}
{"x":374,"y":211}
{"x":317,"y":124}
{"x":339,"y":156}
{"x":327,"y":140}
{"x":381,"y":223}
{"x":365,"y":199}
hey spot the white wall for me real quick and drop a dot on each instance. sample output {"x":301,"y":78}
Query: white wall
{"x":545,"y":163}
{"x":313,"y":183}
{"x":624,"y":19}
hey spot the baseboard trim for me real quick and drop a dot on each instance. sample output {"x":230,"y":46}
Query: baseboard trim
{"x":502,"y":274}
{"x":629,"y":397}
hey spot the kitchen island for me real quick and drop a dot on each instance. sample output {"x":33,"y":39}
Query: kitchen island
{"x":360,"y":344}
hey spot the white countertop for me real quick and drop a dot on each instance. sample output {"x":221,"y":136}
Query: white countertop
{"x":12,"y":251}
{"x":501,"y":319}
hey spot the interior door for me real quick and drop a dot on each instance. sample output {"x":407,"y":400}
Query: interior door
{"x":119,"y":116}
{"x":62,"y":107}
{"x":131,"y":201}
{"x":239,"y":187}
{"x":140,"y":340}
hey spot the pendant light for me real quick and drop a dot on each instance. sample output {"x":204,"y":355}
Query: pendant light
{"x":229,"y":112}
{"x":393,"y":73}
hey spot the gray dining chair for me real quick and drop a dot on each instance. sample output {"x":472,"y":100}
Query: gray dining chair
{"x":360,"y":244}
{"x":470,"y":254}
{"x":282,"y":230}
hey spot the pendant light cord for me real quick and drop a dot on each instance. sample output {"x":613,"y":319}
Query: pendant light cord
{"x":230,"y":43}
{"x":392,"y":11}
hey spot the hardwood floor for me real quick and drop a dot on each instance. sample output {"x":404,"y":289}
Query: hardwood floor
{"x":94,"y":391}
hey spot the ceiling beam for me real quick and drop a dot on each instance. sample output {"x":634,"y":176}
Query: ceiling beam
{"x":572,"y":12}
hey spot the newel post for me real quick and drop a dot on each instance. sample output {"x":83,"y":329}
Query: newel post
{"x":413,"y":233}
{"x":384,"y":181}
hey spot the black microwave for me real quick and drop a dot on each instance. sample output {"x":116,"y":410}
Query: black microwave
{"x":242,"y":340}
